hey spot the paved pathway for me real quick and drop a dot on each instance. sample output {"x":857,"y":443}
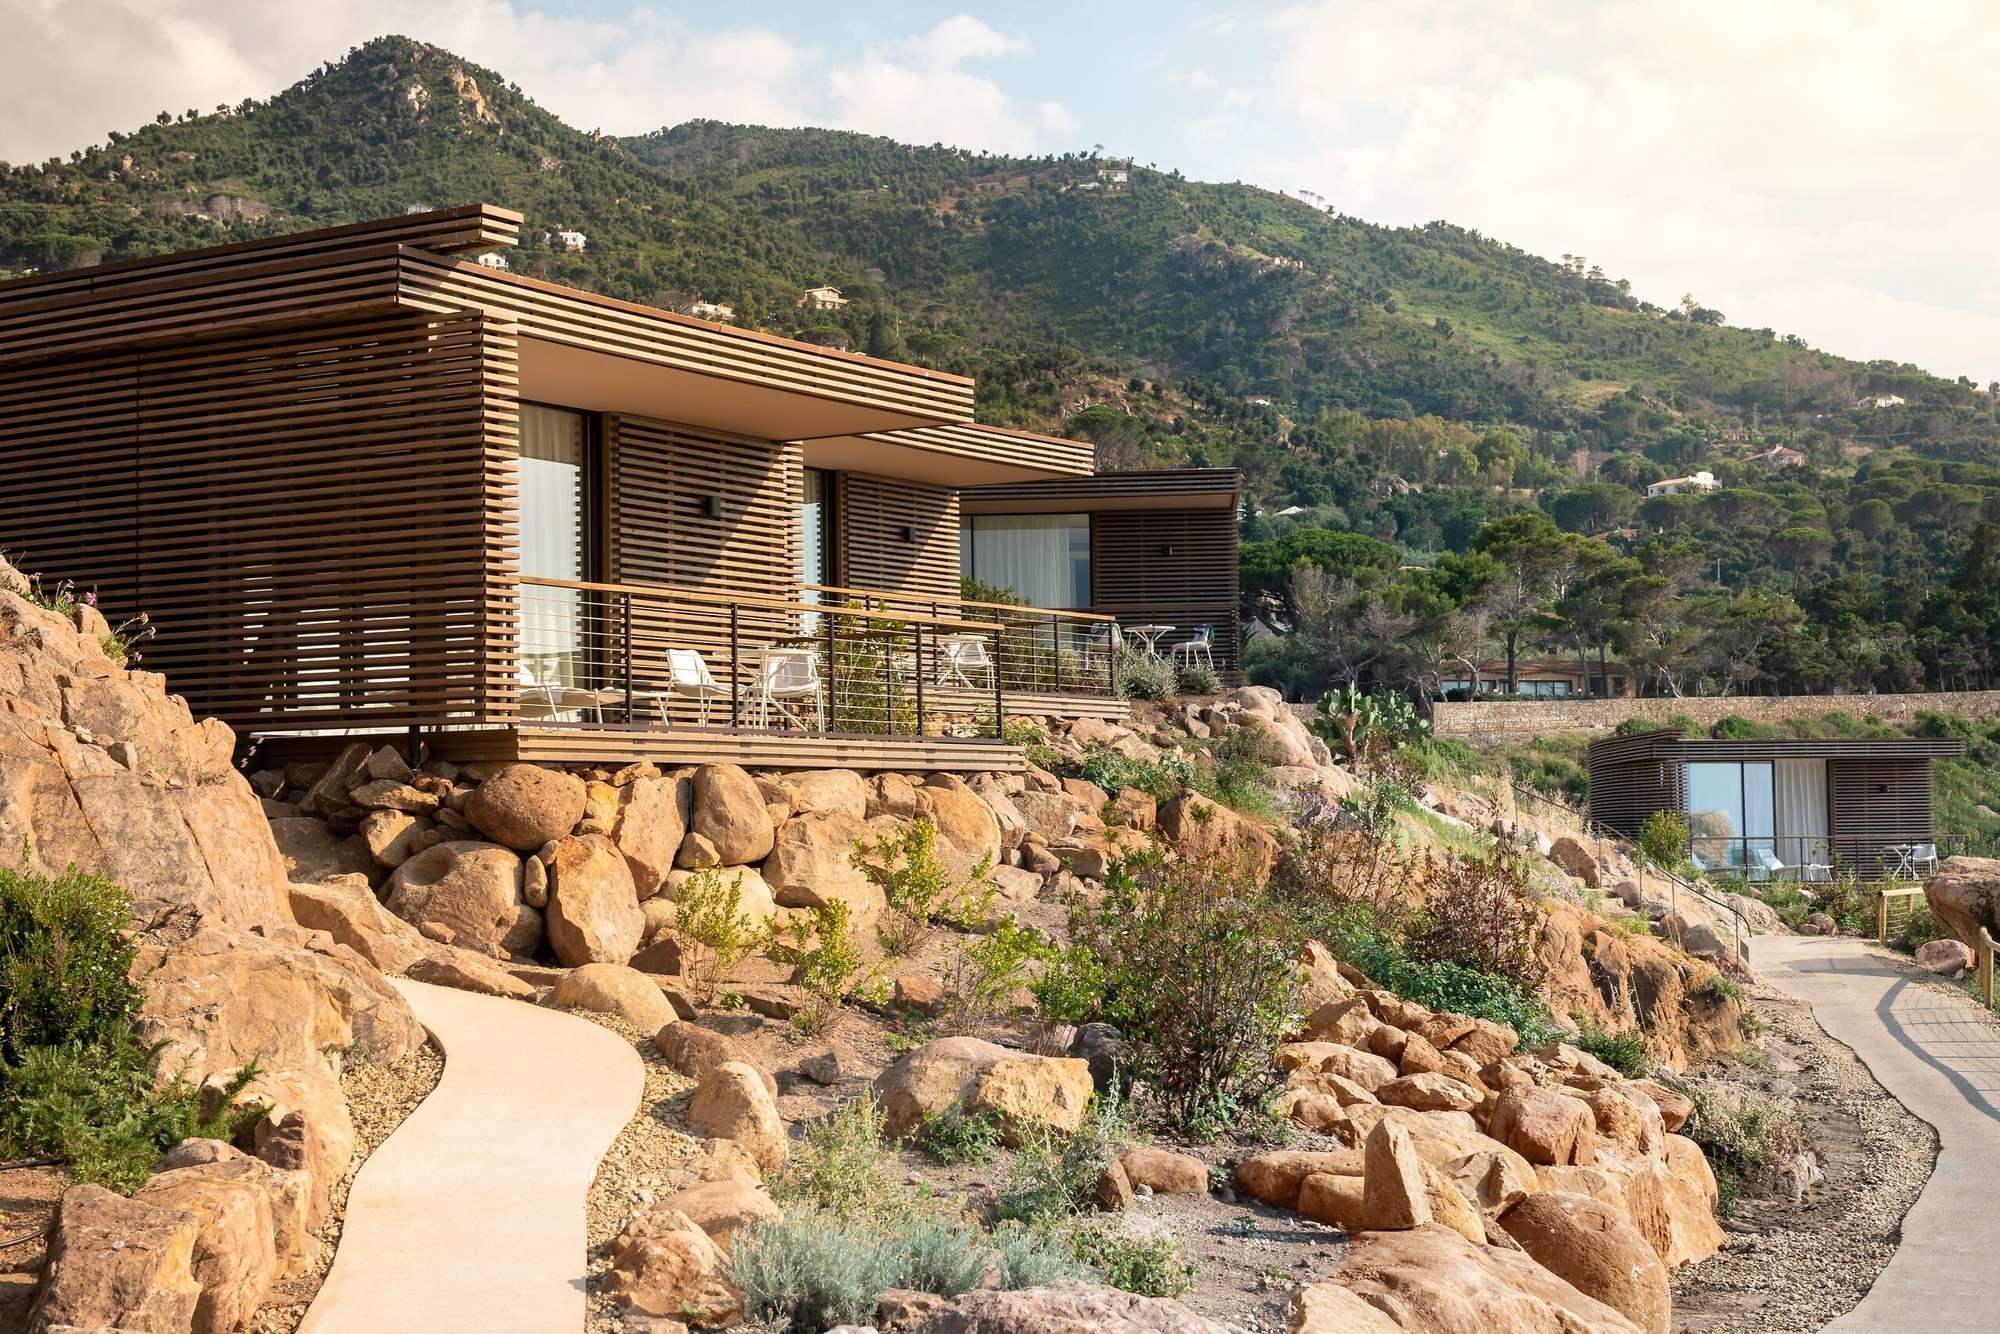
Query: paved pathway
{"x":469,"y":1218}
{"x":1940,"y":1059}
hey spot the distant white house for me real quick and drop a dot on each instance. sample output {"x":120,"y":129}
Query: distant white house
{"x":1257,"y":401}
{"x":1882,"y":401}
{"x":1778,"y":456}
{"x":573,"y":241}
{"x":492,"y":259}
{"x":1700,"y":481}
{"x":720,"y":311}
{"x":823,"y":298}
{"x":1288,"y":511}
{"x":1116,"y":175}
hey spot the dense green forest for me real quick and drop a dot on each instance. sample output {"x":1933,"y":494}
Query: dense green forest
{"x":1447,"y":439}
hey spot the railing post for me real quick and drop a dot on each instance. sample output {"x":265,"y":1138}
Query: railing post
{"x":1985,"y":968}
{"x":918,"y":627}
{"x":832,"y":672}
{"x":626,"y":604}
{"x":999,"y":706}
{"x":1881,"y":917}
{"x":1111,"y":656}
{"x":888,"y":686}
{"x":735,"y":669}
{"x":1055,"y":654}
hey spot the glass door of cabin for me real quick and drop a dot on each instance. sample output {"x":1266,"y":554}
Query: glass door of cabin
{"x":557,"y":539}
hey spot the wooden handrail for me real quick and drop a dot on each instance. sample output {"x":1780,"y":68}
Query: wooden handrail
{"x":664,"y":593}
{"x":1017,"y":608}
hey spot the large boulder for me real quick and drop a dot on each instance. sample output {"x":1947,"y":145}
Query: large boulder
{"x":1065,"y":1308}
{"x":729,"y":812}
{"x":1328,"y":1308}
{"x":651,"y":827}
{"x":1596,"y":1250}
{"x":290,"y":1191}
{"x":812,"y":864}
{"x":312,"y":850}
{"x":102,"y":769}
{"x":1430,"y":1280}
{"x":235,"y":1253}
{"x":1025,"y":1092}
{"x":1206,"y":830}
{"x":346,"y":908}
{"x":733,"y":1102}
{"x":1570,"y":854}
{"x":968,"y":831}
{"x":1393,"y":1194}
{"x":830,"y":792}
{"x":524,"y":806}
{"x":663,"y":1264}
{"x":118,"y":1264}
{"x":1946,"y":958}
{"x":1544,"y":1126}
{"x":594,"y":914}
{"x":472,"y":889}
{"x":1964,"y":896}
{"x":1276,"y":1175}
{"x":614,"y":989}
{"x":724,"y":1206}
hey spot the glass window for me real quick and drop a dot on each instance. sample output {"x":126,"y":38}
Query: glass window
{"x":815,"y":539}
{"x":1043,"y":558}
{"x":553,"y":493}
{"x":1732,"y":815}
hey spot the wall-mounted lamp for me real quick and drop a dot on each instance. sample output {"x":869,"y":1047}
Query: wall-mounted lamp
{"x":1167,"y":549}
{"x":1882,"y":788}
{"x":712,"y":506}
{"x":909,"y":534}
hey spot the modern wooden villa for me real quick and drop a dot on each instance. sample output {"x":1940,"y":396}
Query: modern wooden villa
{"x":1797,"y":809}
{"x":366,"y":486}
{"x":1154,"y":550}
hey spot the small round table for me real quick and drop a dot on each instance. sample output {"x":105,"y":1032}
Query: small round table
{"x":1150,"y":636}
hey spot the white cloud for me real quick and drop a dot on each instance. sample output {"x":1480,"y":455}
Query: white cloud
{"x":1057,"y":119}
{"x":1817,"y":169}
{"x":80,"y":67}
{"x":917,"y":89}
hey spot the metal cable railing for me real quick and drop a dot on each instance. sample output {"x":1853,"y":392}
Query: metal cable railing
{"x":1676,"y":883}
{"x":1042,"y":649}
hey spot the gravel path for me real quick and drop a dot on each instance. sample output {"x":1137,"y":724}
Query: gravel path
{"x":1790,"y":1267}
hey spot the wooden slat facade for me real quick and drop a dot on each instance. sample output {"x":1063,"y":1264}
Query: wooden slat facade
{"x":897,"y":536}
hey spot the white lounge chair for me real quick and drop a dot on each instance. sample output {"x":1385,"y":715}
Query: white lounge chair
{"x":688,"y":678}
{"x":788,"y":681}
{"x":961,"y":658}
{"x":554,"y":702}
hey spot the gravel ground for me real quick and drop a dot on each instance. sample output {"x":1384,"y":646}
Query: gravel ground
{"x":1788,"y":1267}
{"x":379,"y":1098}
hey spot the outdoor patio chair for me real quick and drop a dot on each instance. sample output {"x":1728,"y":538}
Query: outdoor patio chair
{"x":789,"y":682}
{"x":961,"y":659}
{"x":1201,"y":648}
{"x":1763,"y":864}
{"x":688,"y":678}
{"x":554,"y":702}
{"x":1923,"y":860}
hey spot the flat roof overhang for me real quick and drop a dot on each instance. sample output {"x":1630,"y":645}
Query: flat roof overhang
{"x":1158,"y":489}
{"x":1669,"y":744}
{"x":960,"y":455}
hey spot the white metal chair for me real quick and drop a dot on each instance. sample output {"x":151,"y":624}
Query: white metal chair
{"x":1762,"y":864}
{"x":961,"y":658}
{"x":688,"y":678}
{"x":554,"y":702}
{"x":1923,"y":860}
{"x":1201,"y":649}
{"x":788,"y":681}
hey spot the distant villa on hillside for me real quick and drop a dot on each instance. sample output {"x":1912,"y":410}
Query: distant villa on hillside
{"x":720,"y":311}
{"x":823,"y":298}
{"x":1882,"y":401}
{"x":1671,"y":486}
{"x":1778,"y":456}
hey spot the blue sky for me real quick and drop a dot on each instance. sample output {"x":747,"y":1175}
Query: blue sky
{"x":1819,"y":167}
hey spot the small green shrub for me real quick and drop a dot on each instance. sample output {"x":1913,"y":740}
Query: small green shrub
{"x":65,"y":961}
{"x":1746,"y":1133}
{"x":1624,"y":1052}
{"x":1024,"y":1258}
{"x":1198,"y":678}
{"x":709,"y":918}
{"x":841,"y":1166}
{"x":813,"y":1271}
{"x":1051,"y":1179}
{"x":1663,"y":839}
{"x":984,"y":972}
{"x":1162,"y":779}
{"x":1146,"y":1262}
{"x":1236,"y":773}
{"x":956,"y":1136}
{"x":919,"y":887}
{"x":1141,"y":676}
{"x":1723,"y":987}
{"x":827,"y":957}
{"x":1357,"y":935}
{"x":935,"y":1255}
{"x":1920,"y":928}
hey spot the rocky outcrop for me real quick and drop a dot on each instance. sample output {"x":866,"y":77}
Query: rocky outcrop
{"x":1964,"y":896}
{"x":1430,"y":1280}
{"x":1593,"y":1247}
{"x":1024,"y":1091}
{"x":118,"y":1264}
{"x":1203,"y":829}
{"x":474,"y":891}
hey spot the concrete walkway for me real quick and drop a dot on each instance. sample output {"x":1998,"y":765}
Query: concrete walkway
{"x":1941,"y":1059}
{"x":469,"y":1218}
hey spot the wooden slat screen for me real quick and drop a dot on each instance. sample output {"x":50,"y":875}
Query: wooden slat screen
{"x":870,"y":518}
{"x":1133,"y":575}
{"x":1878,"y":802}
{"x":318,"y":519}
{"x":1629,"y":781}
{"x":660,"y":532}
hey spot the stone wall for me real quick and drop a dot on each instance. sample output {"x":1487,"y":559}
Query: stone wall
{"x":1528,"y":718}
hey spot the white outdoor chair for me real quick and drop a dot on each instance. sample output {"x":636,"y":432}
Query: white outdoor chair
{"x":688,"y":678}
{"x":961,"y":658}
{"x":1923,"y":860}
{"x":1764,"y":865}
{"x":789,"y":681}
{"x":556,"y":702}
{"x":1201,"y":649}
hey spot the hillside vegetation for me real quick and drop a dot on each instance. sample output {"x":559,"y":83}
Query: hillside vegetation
{"x":1402,"y":386}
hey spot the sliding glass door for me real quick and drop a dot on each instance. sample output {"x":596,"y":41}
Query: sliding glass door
{"x":557,"y":539}
{"x":1758,"y":817}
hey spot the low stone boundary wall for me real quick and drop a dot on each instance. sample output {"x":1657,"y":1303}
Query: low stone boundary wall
{"x":1527,"y":718}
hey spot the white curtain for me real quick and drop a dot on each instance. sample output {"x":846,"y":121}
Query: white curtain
{"x":1044,"y":558}
{"x":1801,"y":812}
{"x":552,"y":538}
